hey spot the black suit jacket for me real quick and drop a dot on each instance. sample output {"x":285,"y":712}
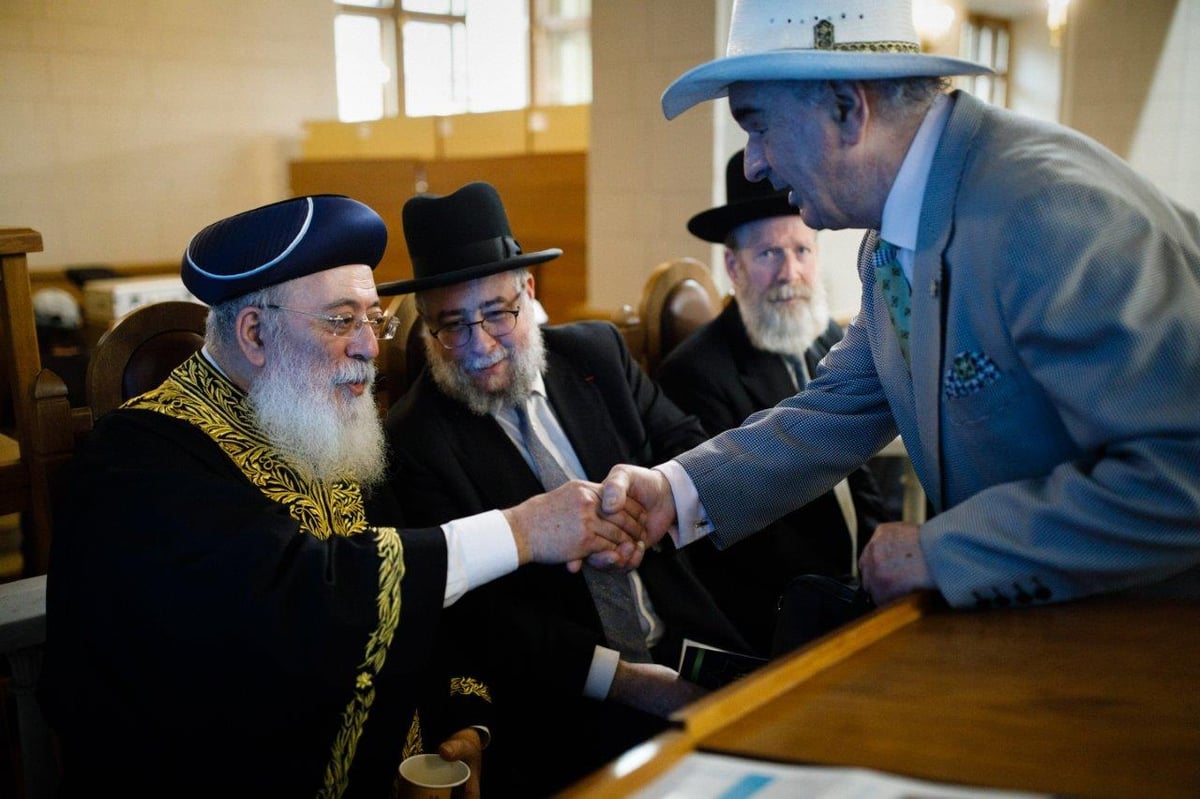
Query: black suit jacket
{"x":448,"y":462}
{"x":718,"y":375}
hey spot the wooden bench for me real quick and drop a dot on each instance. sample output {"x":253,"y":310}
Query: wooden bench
{"x":46,"y":429}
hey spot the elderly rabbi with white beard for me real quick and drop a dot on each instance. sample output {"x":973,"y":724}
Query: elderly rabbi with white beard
{"x":221,"y":611}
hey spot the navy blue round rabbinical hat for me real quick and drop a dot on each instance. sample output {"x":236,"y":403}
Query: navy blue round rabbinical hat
{"x":460,"y":237}
{"x":280,"y":242}
{"x":744,"y":202}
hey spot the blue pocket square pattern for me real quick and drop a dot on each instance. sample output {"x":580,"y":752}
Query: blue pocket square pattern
{"x":968,"y":373}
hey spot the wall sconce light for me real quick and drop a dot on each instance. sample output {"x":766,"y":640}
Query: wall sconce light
{"x":932,"y":20}
{"x":1056,"y":20}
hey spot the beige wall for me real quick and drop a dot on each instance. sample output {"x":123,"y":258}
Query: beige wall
{"x":645,"y":176}
{"x":130,"y":124}
{"x":118,"y":147}
{"x":1133,"y":83}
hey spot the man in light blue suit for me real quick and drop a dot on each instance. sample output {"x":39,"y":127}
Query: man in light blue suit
{"x":1044,"y":367}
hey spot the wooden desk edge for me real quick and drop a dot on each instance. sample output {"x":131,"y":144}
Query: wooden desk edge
{"x":644,"y":763}
{"x":757,"y":689}
{"x":636,"y":768}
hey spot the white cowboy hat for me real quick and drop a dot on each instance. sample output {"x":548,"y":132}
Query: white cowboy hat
{"x":813,"y":40}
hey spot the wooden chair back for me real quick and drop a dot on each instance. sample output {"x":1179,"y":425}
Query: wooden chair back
{"x":45,"y":429}
{"x":678,"y":297}
{"x":632,"y":330}
{"x":402,"y":358}
{"x":45,"y":423}
{"x":140,"y":350}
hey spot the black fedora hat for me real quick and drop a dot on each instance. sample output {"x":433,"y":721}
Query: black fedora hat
{"x":745,"y":202}
{"x":459,"y":237}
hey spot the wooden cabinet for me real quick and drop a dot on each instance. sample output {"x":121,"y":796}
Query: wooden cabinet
{"x":545,"y":195}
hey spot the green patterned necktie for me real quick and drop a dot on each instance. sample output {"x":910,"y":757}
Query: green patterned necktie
{"x":894,"y":285}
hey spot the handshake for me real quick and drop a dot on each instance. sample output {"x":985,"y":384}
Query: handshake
{"x":609,"y":524}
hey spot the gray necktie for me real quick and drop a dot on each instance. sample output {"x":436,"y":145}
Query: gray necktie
{"x":611,"y":591}
{"x":798,"y":369}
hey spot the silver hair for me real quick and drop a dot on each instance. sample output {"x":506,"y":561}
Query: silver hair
{"x":896,"y":96}
{"x":220,"y":331}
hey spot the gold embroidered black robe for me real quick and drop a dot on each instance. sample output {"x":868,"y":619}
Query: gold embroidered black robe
{"x":218,"y":626}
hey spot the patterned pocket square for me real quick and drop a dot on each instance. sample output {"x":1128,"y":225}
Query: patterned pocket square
{"x":968,"y":373}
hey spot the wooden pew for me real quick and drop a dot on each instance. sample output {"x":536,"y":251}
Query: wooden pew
{"x":45,"y":430}
{"x":46,"y":425}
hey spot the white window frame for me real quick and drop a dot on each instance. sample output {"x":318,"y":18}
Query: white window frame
{"x":544,"y":27}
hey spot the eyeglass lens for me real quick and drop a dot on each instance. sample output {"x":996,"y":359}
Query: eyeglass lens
{"x":494,"y":323}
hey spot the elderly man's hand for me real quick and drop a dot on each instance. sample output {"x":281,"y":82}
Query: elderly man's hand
{"x":466,"y":745}
{"x":892,"y":563}
{"x":565,"y":526}
{"x":644,"y":493}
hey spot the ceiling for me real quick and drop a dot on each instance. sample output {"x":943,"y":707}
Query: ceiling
{"x":1007,"y":9}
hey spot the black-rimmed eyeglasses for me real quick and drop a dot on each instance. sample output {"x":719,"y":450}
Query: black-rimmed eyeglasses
{"x":382,"y":326}
{"x":495,"y":323}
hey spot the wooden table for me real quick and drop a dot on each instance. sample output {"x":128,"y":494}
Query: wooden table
{"x":1096,"y":698}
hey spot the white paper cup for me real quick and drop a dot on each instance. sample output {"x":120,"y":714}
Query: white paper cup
{"x":430,"y":777}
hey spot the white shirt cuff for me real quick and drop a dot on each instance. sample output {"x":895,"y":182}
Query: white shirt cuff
{"x":492,"y":552}
{"x":600,"y":675}
{"x":691,"y":520}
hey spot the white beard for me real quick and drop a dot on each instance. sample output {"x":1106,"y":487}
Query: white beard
{"x":789,"y":330}
{"x":455,"y":382}
{"x":319,"y":434}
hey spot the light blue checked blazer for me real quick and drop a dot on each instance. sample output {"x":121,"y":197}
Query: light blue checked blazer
{"x":1053,"y":410}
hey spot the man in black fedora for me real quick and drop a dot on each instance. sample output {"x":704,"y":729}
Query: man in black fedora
{"x":762,"y":348}
{"x":503,"y":411}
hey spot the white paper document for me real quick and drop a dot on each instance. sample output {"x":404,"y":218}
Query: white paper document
{"x":704,"y":776}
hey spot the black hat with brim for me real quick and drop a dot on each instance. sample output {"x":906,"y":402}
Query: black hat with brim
{"x":459,"y":237}
{"x":281,"y":242}
{"x":746,"y":202}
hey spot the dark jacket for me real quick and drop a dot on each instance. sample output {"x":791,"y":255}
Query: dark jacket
{"x":718,"y":375}
{"x":448,"y":462}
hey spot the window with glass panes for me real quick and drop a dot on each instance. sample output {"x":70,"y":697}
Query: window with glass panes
{"x":987,"y":41}
{"x":440,"y":57}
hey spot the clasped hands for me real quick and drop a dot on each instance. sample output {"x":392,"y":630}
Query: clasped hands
{"x":607,"y":524}
{"x":634,"y":508}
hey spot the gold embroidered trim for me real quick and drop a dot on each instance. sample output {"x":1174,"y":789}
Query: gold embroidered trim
{"x":469,"y":686}
{"x":200,"y":395}
{"x":413,"y":742}
{"x":354,"y":717}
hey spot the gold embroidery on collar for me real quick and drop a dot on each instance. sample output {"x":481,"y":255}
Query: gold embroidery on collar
{"x":200,"y":395}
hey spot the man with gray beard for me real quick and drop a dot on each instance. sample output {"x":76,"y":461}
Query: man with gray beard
{"x":762,"y":348}
{"x":223,"y":619}
{"x":505,"y":409}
